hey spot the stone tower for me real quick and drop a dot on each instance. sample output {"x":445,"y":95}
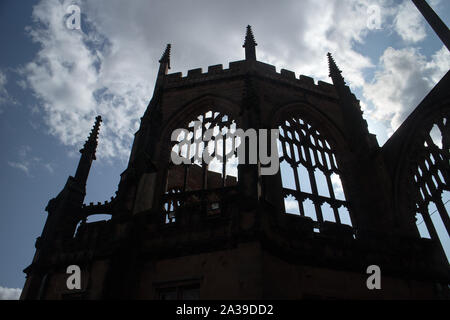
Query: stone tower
{"x":339,"y":203}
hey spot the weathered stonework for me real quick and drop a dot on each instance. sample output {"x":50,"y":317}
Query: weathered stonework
{"x":235,"y":241}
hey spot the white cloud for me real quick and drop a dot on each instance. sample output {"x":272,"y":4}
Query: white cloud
{"x":10,"y":293}
{"x":409,"y":23}
{"x":404,"y":77}
{"x":26,"y":161}
{"x":326,"y":26}
{"x":24,"y":166}
{"x":49,"y":167}
{"x":3,"y":92}
{"x":75,"y":81}
{"x":24,"y":151}
{"x":5,"y":98}
{"x":109,"y":68}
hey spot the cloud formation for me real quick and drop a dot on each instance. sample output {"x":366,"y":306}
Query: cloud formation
{"x":3,"y":92}
{"x":25,"y":161}
{"x":5,"y":98}
{"x":109,"y":66}
{"x":403,"y":80}
{"x":409,"y":24}
{"x":10,"y":293}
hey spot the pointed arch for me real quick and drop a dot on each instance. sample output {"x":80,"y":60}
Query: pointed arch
{"x":422,"y":180}
{"x":311,"y":150}
{"x":196,"y":182}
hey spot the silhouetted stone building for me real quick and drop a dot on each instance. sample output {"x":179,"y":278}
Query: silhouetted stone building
{"x":339,"y":204}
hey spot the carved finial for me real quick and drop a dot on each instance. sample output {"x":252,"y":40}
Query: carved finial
{"x":249,"y":38}
{"x":88,"y":154}
{"x":355,"y":126}
{"x":91,"y":143}
{"x":249,"y":45}
{"x":165,"y":58}
{"x":335,"y":73}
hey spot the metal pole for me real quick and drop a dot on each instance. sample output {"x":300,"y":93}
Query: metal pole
{"x":435,"y":22}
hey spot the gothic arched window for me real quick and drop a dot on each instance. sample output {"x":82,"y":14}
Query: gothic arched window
{"x":199,"y":175}
{"x":430,"y":182}
{"x":310,"y":175}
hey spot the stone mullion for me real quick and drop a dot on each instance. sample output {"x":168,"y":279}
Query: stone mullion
{"x":333,"y":197}
{"x":429,"y":224}
{"x":437,"y":155}
{"x":289,"y":160}
{"x":203,"y":164}
{"x":215,"y":120}
{"x":312,"y":180}
{"x":435,"y":191}
{"x":424,"y":181}
{"x":294,"y":168}
{"x":445,"y":131}
{"x":315,"y":150}
{"x":319,"y":152}
{"x":306,"y":144}
{"x":224,"y":159}
{"x":190,"y":145}
{"x":442,"y":212}
{"x":297,"y":179}
{"x":436,"y":198}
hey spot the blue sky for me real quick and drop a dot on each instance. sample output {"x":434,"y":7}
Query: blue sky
{"x":54,"y":81}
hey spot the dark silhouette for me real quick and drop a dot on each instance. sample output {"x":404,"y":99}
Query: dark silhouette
{"x":187,"y":232}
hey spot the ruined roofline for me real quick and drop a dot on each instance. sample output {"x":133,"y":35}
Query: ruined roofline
{"x":242,"y":67}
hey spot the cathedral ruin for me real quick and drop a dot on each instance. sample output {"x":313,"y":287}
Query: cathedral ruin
{"x":339,"y":203}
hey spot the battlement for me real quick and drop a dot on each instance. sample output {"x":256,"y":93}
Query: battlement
{"x":242,"y":67}
{"x":103,"y":208}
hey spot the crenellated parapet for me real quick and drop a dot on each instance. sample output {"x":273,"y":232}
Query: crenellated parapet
{"x":98,"y":208}
{"x":336,"y":204}
{"x":241,"y":68}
